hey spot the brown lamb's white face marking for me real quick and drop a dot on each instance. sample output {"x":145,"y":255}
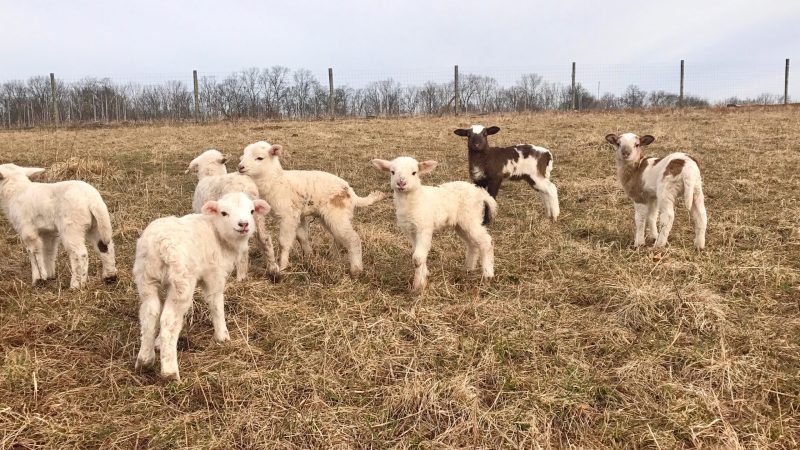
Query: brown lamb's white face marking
{"x":477,"y":135}
{"x":629,"y":146}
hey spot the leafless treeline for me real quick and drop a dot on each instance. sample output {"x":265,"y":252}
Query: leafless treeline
{"x":277,"y":92}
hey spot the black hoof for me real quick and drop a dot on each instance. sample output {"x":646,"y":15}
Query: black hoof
{"x":40,"y":283}
{"x":110,"y":280}
{"x":275,"y":277}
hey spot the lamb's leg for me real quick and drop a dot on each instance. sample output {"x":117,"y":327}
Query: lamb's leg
{"x":422,"y":245}
{"x":35,"y":246}
{"x":265,"y":241}
{"x":304,"y":237}
{"x":50,"y":251}
{"x":652,"y":219}
{"x":666,"y":208}
{"x":286,"y":236}
{"x":340,"y":225}
{"x":243,"y":265}
{"x":472,"y":249}
{"x":74,"y":243}
{"x":479,"y":235}
{"x":213,"y":293}
{"x":640,"y":217}
{"x":548,"y":193}
{"x":179,"y":299}
{"x":106,"y":254}
{"x":699,"y":219}
{"x":149,"y":312}
{"x":552,"y":198}
{"x":493,"y":186}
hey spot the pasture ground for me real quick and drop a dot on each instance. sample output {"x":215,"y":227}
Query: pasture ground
{"x":581,"y":340}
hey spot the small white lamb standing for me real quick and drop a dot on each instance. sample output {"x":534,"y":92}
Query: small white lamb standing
{"x":177,"y":253}
{"x":654,"y":184}
{"x":214,"y":182}
{"x":296,"y":196}
{"x":69,"y":212}
{"x":422,"y":210}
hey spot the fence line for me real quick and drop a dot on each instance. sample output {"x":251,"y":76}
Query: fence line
{"x":277,"y":92}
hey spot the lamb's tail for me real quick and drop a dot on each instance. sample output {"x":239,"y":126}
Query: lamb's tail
{"x":99,"y":211}
{"x":373,"y":197}
{"x":174,"y":259}
{"x":489,"y":209}
{"x":692,"y":187}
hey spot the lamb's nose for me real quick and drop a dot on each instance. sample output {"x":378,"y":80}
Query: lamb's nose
{"x":241,"y":168}
{"x":244,"y":225}
{"x":401,"y":183}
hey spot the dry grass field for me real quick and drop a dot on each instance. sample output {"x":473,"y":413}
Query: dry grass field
{"x":580,"y":341}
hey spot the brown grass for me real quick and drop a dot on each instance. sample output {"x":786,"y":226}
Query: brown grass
{"x":580,"y":341}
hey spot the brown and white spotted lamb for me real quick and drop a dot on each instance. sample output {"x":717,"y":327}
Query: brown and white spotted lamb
{"x":655,"y":183}
{"x":489,"y":166}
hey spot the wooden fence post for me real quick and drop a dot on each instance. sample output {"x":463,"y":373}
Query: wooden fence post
{"x":456,"y":93}
{"x":680,"y":96}
{"x":196,"y":97}
{"x":330,"y":93}
{"x":53,"y":97}
{"x":786,"y":84}
{"x":574,"y":94}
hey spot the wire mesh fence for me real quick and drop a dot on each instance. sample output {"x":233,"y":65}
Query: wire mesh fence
{"x":278,"y":92}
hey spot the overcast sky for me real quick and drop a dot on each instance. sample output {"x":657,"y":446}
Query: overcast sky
{"x":365,"y":40}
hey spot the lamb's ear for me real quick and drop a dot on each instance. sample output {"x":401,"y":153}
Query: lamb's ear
{"x":427,"y":166}
{"x":646,"y":140}
{"x":461,"y":132}
{"x":224,"y":159}
{"x":192,"y":166}
{"x":492,"y":130}
{"x":261,"y":207}
{"x":211,"y":208}
{"x":612,"y":139}
{"x":382,"y":164}
{"x":32,"y":172}
{"x":276,"y":150}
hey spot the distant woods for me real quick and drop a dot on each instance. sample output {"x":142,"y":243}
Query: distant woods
{"x":279,"y":93}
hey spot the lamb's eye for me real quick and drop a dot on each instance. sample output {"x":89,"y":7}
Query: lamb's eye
{"x":252,"y":211}
{"x":393,"y":172}
{"x":413,"y":173}
{"x":260,"y":158}
{"x":224,"y":214}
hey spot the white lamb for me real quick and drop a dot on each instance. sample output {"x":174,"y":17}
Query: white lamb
{"x":422,"y":210}
{"x":655,"y":183}
{"x":214,"y":182}
{"x":45,"y":214}
{"x":174,"y":254}
{"x":296,"y":196}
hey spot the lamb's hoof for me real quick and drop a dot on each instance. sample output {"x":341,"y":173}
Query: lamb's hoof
{"x":275,"y":277}
{"x":144,"y":362}
{"x":171,"y":376}
{"x":222,"y":339}
{"x":40,"y":283}
{"x":356,"y":273}
{"x":110,"y":280}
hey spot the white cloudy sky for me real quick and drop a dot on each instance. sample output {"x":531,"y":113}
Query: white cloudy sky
{"x":735,"y":44}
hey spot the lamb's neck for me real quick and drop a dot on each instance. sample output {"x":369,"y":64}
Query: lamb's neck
{"x":11,"y":188}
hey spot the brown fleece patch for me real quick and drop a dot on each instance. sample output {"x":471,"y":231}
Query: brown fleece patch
{"x":632,"y":182}
{"x":542,"y":163}
{"x":674,"y":167}
{"x":340,"y":200}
